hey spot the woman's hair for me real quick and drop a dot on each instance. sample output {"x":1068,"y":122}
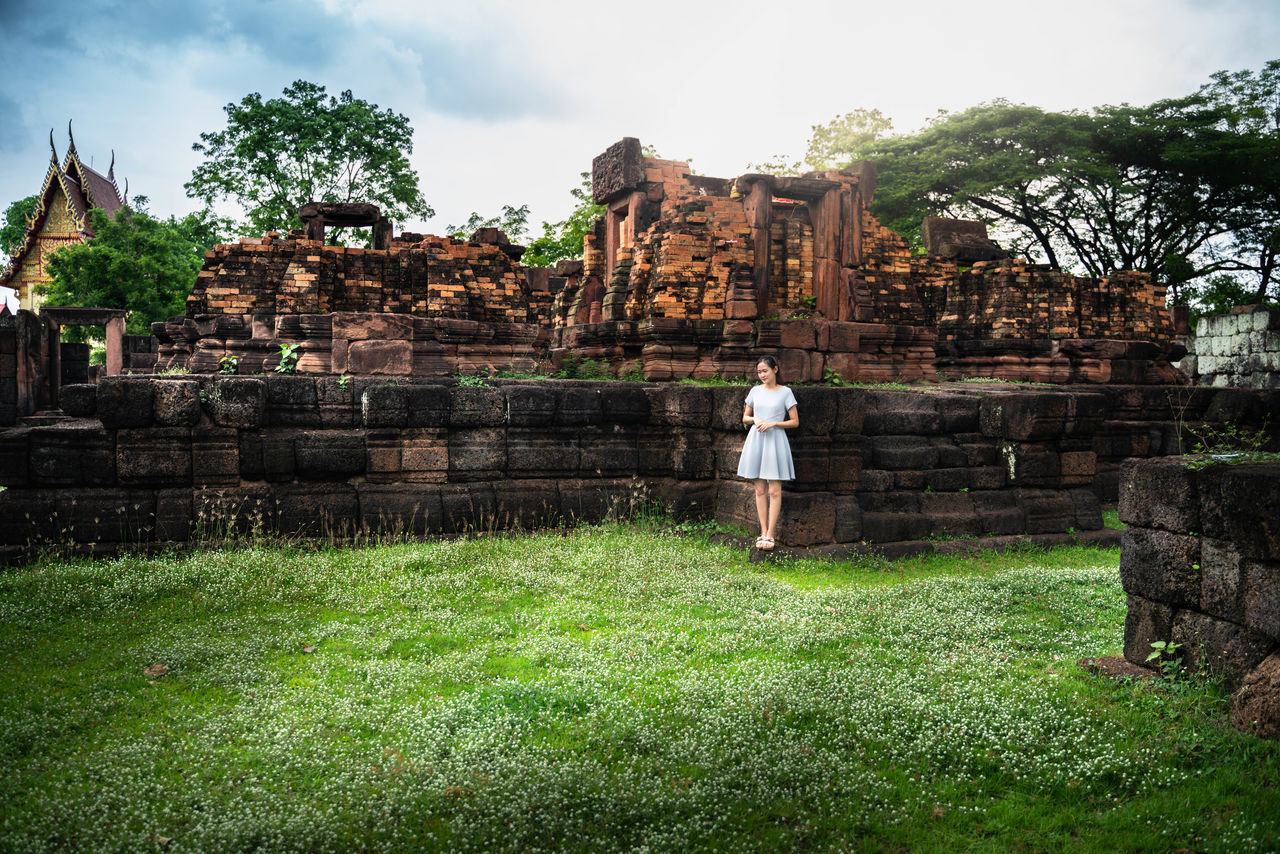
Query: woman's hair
{"x":773,"y":366}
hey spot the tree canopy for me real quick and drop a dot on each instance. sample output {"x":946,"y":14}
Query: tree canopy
{"x":276,"y":155}
{"x":1184,"y":188}
{"x":134,"y":261}
{"x":14,"y":225}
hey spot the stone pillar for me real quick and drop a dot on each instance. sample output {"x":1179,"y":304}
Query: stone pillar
{"x":115,"y":346}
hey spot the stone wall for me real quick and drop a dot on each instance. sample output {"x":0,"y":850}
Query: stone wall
{"x":1241,"y":348}
{"x":1201,"y":568}
{"x":153,"y":459}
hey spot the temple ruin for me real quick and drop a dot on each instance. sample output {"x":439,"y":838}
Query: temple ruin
{"x":684,"y":276}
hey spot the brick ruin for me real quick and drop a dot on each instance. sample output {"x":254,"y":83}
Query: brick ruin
{"x":684,"y":276}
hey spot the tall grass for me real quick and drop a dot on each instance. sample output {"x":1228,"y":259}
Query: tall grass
{"x":612,"y":689}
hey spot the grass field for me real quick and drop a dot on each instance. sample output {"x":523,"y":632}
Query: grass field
{"x":609,"y":689}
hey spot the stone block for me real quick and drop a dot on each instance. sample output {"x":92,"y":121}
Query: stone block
{"x":468,"y":508}
{"x":578,"y":406}
{"x":1222,"y":583}
{"x":376,"y":327}
{"x":1032,"y":463}
{"x":692,"y":456}
{"x":655,"y":451}
{"x":174,"y":517}
{"x":818,"y":409}
{"x":329,"y":454}
{"x":1047,"y":511}
{"x":1218,"y":648}
{"x":220,"y":513}
{"x":330,"y":510}
{"x":237,"y":402}
{"x":78,"y":400}
{"x":336,"y":401}
{"x":293,"y":401}
{"x":797,"y":334}
{"x":1161,"y":566}
{"x":471,"y":406}
{"x":541,"y":453}
{"x":267,"y":456}
{"x":215,"y":456}
{"x":892,"y":526}
{"x":988,"y":477}
{"x":1078,"y":467}
{"x":477,"y":454}
{"x":947,"y":480}
{"x":400,"y":510}
{"x":1146,"y":622}
{"x":76,"y":454}
{"x":845,"y":472}
{"x":380,"y":358}
{"x":626,"y":404}
{"x":901,"y":452}
{"x":735,"y":504}
{"x":901,"y":413}
{"x":1241,"y":503}
{"x":1088,"y":509}
{"x":424,"y":455}
{"x":1255,"y":706}
{"x":107,"y":515}
{"x":610,"y":451}
{"x":528,"y":505}
{"x":619,"y":169}
{"x":680,"y":406}
{"x":1158,"y":494}
{"x":590,"y":501}
{"x":1262,"y":596}
{"x":124,"y":401}
{"x":384,"y":406}
{"x":176,"y":403}
{"x":807,"y":518}
{"x":530,"y":405}
{"x":959,"y":413}
{"x":155,"y":456}
{"x":848,"y":519}
{"x":850,"y":413}
{"x":429,"y":405}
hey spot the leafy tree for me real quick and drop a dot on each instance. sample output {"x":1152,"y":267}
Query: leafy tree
{"x":14,"y":225}
{"x":133,"y":261}
{"x":561,"y":240}
{"x":1183,"y":189}
{"x":838,"y":142}
{"x":514,"y":222}
{"x":276,"y":155}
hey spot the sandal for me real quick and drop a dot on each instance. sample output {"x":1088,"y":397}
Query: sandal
{"x":760,"y":542}
{"x":765,"y":544}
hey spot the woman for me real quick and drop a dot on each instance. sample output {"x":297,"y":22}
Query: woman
{"x":766,"y":455}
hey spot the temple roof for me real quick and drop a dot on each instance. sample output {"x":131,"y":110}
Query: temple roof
{"x":83,"y":187}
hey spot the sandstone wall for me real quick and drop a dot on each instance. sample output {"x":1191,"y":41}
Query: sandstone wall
{"x":1237,"y":349}
{"x":158,"y":459}
{"x":1201,"y":563}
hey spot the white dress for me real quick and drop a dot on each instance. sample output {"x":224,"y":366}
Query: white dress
{"x":767,"y":455}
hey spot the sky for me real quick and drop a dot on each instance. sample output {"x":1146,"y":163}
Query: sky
{"x":509,"y":101}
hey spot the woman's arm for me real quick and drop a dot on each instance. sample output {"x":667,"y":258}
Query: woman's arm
{"x":793,"y":420}
{"x":748,"y":415}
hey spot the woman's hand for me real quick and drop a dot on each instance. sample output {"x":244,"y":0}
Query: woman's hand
{"x":765,"y":425}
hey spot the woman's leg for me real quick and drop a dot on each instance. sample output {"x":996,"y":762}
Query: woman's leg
{"x":775,"y":506}
{"x":762,"y":506}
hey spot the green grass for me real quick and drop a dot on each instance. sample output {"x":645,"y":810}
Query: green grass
{"x":611,"y":689}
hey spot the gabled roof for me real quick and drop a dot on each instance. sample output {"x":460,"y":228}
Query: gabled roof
{"x":83,"y":187}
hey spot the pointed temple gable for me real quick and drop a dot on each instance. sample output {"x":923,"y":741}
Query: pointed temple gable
{"x":70,"y":190}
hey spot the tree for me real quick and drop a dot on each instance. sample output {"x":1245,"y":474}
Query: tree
{"x":133,"y":261}
{"x":561,"y":240}
{"x":838,"y":142}
{"x":14,"y":226}
{"x":276,"y":155}
{"x":1183,"y":189}
{"x":514,"y":222}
